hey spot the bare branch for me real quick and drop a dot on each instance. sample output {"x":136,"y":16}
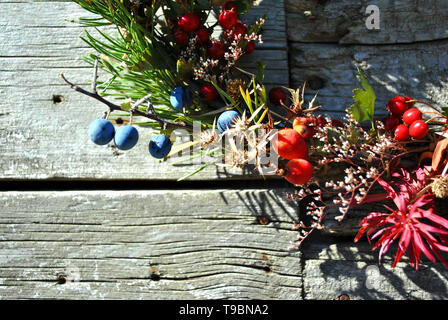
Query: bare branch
{"x":113,"y":107}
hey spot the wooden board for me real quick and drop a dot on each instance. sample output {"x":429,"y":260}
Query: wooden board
{"x":43,"y":139}
{"x":344,"y":21}
{"x":203,"y":244}
{"x":335,"y":268}
{"x":172,"y":245}
{"x":417,"y":70}
{"x":193,"y":244}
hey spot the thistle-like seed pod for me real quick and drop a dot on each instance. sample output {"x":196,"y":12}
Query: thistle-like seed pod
{"x":233,"y":89}
{"x":440,"y":187}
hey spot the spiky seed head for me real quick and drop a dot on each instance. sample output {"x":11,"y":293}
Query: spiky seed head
{"x":208,"y":138}
{"x":233,"y":89}
{"x":440,"y":187}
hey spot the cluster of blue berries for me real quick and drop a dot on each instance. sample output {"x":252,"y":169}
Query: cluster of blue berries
{"x":102,"y":131}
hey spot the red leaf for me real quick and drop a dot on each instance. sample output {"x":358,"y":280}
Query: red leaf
{"x":399,"y":201}
{"x":422,"y":247}
{"x":435,"y":218}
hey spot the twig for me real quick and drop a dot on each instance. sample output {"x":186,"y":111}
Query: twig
{"x":95,"y":75}
{"x":142,"y":100}
{"x":445,"y":170}
{"x":112,"y":107}
{"x":150,"y":107}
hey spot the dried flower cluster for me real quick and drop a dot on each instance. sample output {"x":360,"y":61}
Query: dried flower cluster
{"x":209,"y":69}
{"x":366,"y":158}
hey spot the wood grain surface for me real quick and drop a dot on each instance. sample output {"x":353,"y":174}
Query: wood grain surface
{"x":176,"y":241}
{"x":43,"y":123}
{"x":203,"y":244}
{"x":406,"y":56}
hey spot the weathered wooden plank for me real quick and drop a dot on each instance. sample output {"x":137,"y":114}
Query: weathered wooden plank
{"x":345,"y":21}
{"x":417,"y":70}
{"x":350,"y":225}
{"x":41,"y":139}
{"x":167,"y":244}
{"x":332,"y":269}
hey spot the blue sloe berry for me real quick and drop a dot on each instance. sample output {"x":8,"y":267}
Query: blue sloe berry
{"x":126,"y":137}
{"x":101,"y":131}
{"x":159,"y":146}
{"x":181,"y":97}
{"x":225,"y":120}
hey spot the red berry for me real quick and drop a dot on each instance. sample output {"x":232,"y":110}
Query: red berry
{"x":230,"y":6}
{"x":418,"y":129}
{"x":321,"y":122}
{"x":189,"y":22}
{"x":202,"y":35}
{"x":397,"y":106}
{"x":299,"y":171}
{"x":216,"y":50}
{"x":180,"y":37}
{"x":250,"y":47}
{"x":228,"y":19}
{"x":238,"y":30}
{"x":290,"y":145}
{"x":411,"y":115}
{"x":303,"y":120}
{"x":401,"y":133}
{"x":337,"y":123}
{"x":304,"y":126}
{"x":276,"y":95}
{"x":208,"y":92}
{"x":410,"y":104}
{"x":305,"y":131}
{"x":390,"y":122}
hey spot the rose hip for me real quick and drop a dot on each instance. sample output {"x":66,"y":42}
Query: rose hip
{"x":299,"y":171}
{"x":401,"y":133}
{"x":411,"y":115}
{"x":290,"y":145}
{"x":276,"y":95}
{"x":390,"y":122}
{"x":189,"y":22}
{"x":304,"y":126}
{"x":418,"y":129}
{"x":208,"y":92}
{"x":216,"y":50}
{"x":228,"y":19}
{"x":397,"y":106}
{"x":203,"y":35}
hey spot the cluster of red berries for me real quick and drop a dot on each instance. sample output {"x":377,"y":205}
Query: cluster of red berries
{"x":404,"y":120}
{"x":190,"y":25}
{"x":293,"y":147}
{"x":292,"y":144}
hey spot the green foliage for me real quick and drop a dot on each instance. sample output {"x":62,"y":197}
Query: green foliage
{"x":243,"y":6}
{"x":141,"y":57}
{"x":444,"y":110}
{"x":260,"y":72}
{"x":364,"y":107}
